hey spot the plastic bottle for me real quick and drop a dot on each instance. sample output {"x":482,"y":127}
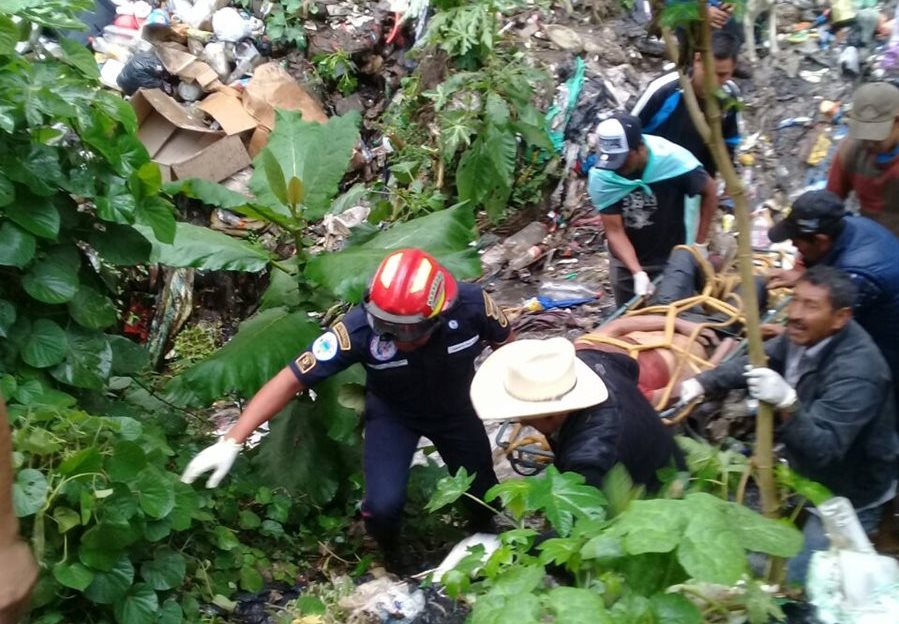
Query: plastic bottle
{"x":532,"y":235}
{"x":527,"y":257}
{"x":566,"y":291}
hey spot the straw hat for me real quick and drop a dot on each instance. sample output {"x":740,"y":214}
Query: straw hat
{"x":532,"y":378}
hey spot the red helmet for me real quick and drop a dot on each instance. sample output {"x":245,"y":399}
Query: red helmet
{"x":408,"y":292}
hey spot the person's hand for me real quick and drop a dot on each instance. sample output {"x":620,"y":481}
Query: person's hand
{"x":219,"y":457}
{"x":718,"y":17}
{"x":642,"y":285}
{"x":768,"y":386}
{"x":690,"y":389}
{"x":771,"y":330}
{"x":703,"y":249}
{"x":780,"y":278}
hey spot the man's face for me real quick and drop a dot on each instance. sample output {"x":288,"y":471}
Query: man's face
{"x":810,"y":316}
{"x":813,"y":248}
{"x":636,"y":160}
{"x":724,"y":71}
{"x":885,"y":146}
{"x":547,"y":424}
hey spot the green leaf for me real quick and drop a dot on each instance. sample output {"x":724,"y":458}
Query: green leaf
{"x":52,"y":280}
{"x":110,"y":535}
{"x":250,"y":579}
{"x":79,"y":57}
{"x":165,"y":571}
{"x":224,"y":538}
{"x":37,"y":215}
{"x":170,"y":613}
{"x":126,"y":462}
{"x":155,"y":493}
{"x":16,"y":246}
{"x":295,"y":191}
{"x":74,"y":575}
{"x":445,"y":234}
{"x":450,"y":489}
{"x":486,"y":171}
{"x":82,"y":462}
{"x":563,"y":497}
{"x":109,"y":587}
{"x":619,"y":490}
{"x":206,"y":249}
{"x":249,"y":520}
{"x":283,"y":288}
{"x":675,"y":609}
{"x":128,"y":357}
{"x":157,"y":213}
{"x":603,"y":548}
{"x":560,"y":551}
{"x":7,"y":317}
{"x":121,"y":245}
{"x":317,"y":154}
{"x":207,"y":192}
{"x":812,"y":490}
{"x":158,"y":529}
{"x":273,"y":175}
{"x":186,"y":503}
{"x":270,"y":339}
{"x":575,"y":605}
{"x":710,"y":549}
{"x":88,"y":359}
{"x":92,"y":309}
{"x":9,"y":36}
{"x":29,"y":492}
{"x":760,"y":534}
{"x":139,"y":606}
{"x":45,"y":346}
{"x":653,"y":526}
{"x":503,"y":609}
{"x":66,"y":519}
{"x":518,"y":580}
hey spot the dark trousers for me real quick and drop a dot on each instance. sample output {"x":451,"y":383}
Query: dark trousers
{"x":391,"y":439}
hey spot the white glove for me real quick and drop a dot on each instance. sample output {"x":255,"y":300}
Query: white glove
{"x":219,"y":458}
{"x":703,"y":249}
{"x":768,"y":386}
{"x":642,"y":285}
{"x":690,"y":389}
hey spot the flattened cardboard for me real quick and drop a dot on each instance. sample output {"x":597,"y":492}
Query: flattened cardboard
{"x":187,"y":67}
{"x":229,"y":112}
{"x":272,"y":87}
{"x":181,"y":144}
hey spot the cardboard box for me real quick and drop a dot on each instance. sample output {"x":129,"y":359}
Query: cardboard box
{"x":181,"y":144}
{"x":272,"y":87}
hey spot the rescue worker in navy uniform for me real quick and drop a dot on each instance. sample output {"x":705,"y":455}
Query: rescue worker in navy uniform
{"x":417,"y":334}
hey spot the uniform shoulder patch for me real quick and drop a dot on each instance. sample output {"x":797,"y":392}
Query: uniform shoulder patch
{"x":306,"y":362}
{"x":494,"y":311}
{"x":343,"y":336}
{"x":325,"y":347}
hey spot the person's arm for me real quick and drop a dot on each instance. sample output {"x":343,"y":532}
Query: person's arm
{"x":270,"y":400}
{"x":822,"y":431}
{"x":838,"y":179}
{"x":591,"y":449}
{"x":496,"y":329}
{"x":619,"y":244}
{"x":707,"y":209}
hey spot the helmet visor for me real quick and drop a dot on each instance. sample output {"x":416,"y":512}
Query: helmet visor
{"x":402,"y":332}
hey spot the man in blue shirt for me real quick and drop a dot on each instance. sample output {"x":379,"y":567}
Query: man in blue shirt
{"x":417,"y":334}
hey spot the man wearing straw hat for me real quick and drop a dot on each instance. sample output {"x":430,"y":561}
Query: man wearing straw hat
{"x":585,"y":402}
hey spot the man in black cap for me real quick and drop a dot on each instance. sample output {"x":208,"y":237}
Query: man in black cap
{"x":641,"y":185}
{"x":865,"y":250}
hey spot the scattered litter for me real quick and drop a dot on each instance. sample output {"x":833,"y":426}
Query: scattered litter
{"x":387,"y":600}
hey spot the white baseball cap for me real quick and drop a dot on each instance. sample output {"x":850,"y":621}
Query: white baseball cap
{"x":615,"y":137}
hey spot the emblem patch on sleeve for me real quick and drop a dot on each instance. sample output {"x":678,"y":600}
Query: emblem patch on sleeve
{"x":343,"y":336}
{"x":494,"y":311}
{"x":325,"y":347}
{"x":305,"y":362}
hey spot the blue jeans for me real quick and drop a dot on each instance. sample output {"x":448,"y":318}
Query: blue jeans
{"x":816,"y":539}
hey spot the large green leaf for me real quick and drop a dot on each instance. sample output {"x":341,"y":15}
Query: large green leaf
{"x":675,"y":609}
{"x":156,"y":212}
{"x":55,"y":278}
{"x":710,"y":549}
{"x":504,"y":609}
{"x":138,"y":606}
{"x":486,"y":170}
{"x":17,"y":247}
{"x":757,"y":533}
{"x":79,"y":57}
{"x":127,"y":357}
{"x":36,"y":214}
{"x":9,"y":35}
{"x":206,"y":249}
{"x":264,"y":344}
{"x":217,"y":195}
{"x":109,"y":587}
{"x":92,"y":309}
{"x":74,"y":575}
{"x":128,"y":459}
{"x":653,"y":526}
{"x":121,"y":244}
{"x":88,"y":360}
{"x":46,"y":345}
{"x":166,"y":570}
{"x":564,"y":497}
{"x":446,"y":234}
{"x":170,"y":613}
{"x":154,"y":492}
{"x":450,"y":489}
{"x":576,"y":605}
{"x":29,"y":492}
{"x":300,"y":455}
{"x":7,"y":317}
{"x":317,"y":154}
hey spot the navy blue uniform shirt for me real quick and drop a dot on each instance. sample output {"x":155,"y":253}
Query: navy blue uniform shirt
{"x":431,"y":380}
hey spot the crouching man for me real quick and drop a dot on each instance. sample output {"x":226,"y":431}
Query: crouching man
{"x":832,"y":394}
{"x":585,"y":402}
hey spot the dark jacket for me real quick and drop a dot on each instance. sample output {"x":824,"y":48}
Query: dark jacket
{"x":624,"y":429}
{"x":869,"y":253}
{"x":844,"y":434}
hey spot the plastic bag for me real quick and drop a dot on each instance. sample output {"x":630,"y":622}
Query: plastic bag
{"x":143,"y":71}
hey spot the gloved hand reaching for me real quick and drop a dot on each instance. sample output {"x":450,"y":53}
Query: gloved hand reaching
{"x":690,"y":389}
{"x":703,"y":249}
{"x":219,"y":458}
{"x":642,"y":285}
{"x":768,"y":386}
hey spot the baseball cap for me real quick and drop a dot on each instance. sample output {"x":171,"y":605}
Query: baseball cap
{"x":875,"y":107}
{"x":812,"y":213}
{"x":615,"y":137}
